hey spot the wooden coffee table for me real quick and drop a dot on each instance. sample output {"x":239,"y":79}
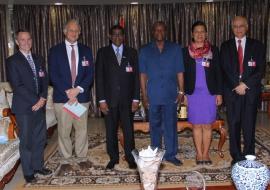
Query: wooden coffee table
{"x":218,"y":126}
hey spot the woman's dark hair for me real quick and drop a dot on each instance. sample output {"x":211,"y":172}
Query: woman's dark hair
{"x":198,"y":23}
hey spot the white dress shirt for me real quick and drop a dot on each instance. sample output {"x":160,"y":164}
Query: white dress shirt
{"x":120,"y":49}
{"x":69,"y":49}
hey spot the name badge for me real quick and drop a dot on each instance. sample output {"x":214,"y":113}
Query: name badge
{"x":41,"y":73}
{"x":85,"y":62}
{"x":205,"y":63}
{"x":129,"y":69}
{"x":251,"y":63}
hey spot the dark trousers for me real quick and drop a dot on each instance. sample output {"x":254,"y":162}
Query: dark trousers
{"x":241,"y":116}
{"x":119,"y":115}
{"x":32,"y":135}
{"x":163,"y":121}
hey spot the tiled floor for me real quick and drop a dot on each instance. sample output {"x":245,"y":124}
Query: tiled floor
{"x":97,"y":126}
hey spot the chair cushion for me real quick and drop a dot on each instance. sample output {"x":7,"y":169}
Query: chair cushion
{"x":9,"y":154}
{"x":4,"y":124}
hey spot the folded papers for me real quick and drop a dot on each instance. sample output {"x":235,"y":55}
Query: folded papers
{"x":76,"y":110}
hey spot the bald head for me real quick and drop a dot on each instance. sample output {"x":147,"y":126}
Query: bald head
{"x":239,"y":26}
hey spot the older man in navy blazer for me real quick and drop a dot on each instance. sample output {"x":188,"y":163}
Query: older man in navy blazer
{"x":28,"y":78}
{"x":243,"y":63}
{"x":71,"y":74}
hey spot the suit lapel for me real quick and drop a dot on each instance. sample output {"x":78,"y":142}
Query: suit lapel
{"x":26,"y":64}
{"x":124,"y":56}
{"x":112,"y":54}
{"x":234,"y":53}
{"x":66,"y":67}
{"x":80,"y":57}
{"x":247,"y":54}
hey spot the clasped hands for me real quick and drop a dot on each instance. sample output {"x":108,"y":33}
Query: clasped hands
{"x":72,"y":94}
{"x":241,"y":89}
{"x":41,"y":102}
{"x":103,"y":106}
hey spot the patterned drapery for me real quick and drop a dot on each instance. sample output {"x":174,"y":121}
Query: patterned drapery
{"x":3,"y":42}
{"x":46,"y":22}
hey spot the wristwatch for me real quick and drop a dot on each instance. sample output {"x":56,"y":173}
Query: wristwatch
{"x":181,"y":92}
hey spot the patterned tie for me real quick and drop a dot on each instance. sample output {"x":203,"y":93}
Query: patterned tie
{"x":118,"y":56}
{"x":240,"y":57}
{"x":33,"y":67}
{"x":73,"y":65}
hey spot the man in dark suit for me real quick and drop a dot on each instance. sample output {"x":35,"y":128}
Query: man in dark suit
{"x":71,"y":74}
{"x":28,"y":78}
{"x":117,"y":83}
{"x":243,"y":63}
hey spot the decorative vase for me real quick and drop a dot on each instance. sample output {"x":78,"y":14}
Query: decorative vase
{"x":250,"y":174}
{"x":148,"y":167}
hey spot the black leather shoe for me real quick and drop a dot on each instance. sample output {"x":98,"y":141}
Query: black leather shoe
{"x":30,"y":179}
{"x":111,"y":164}
{"x":43,"y":171}
{"x":132,"y":165}
{"x":174,"y":161}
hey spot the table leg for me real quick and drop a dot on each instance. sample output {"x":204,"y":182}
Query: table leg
{"x":219,"y":127}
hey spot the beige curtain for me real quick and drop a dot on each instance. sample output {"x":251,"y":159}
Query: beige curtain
{"x":3,"y":42}
{"x":46,"y":22}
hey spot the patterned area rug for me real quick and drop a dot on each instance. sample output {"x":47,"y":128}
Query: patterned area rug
{"x":90,"y":173}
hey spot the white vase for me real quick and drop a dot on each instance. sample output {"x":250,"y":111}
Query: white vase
{"x":250,"y":174}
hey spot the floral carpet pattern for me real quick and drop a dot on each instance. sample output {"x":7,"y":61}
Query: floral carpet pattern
{"x":91,"y":172}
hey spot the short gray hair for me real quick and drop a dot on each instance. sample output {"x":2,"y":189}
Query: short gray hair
{"x":71,"y":21}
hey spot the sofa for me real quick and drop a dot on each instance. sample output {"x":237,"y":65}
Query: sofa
{"x":9,"y":143}
{"x":6,"y":90}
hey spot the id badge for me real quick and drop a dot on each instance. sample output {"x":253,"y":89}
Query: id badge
{"x":41,"y":73}
{"x":251,"y":63}
{"x":205,"y":63}
{"x":85,"y":63}
{"x":129,"y":69}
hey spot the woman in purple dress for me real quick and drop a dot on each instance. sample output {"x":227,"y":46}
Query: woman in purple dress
{"x":203,"y":87}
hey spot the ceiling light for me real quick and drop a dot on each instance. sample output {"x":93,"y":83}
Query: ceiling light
{"x":134,"y":3}
{"x":58,"y":3}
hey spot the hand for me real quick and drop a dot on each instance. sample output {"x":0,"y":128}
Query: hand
{"x":72,"y":101}
{"x":185,"y":100}
{"x":145,"y":102}
{"x":41,"y":102}
{"x":218,"y":100}
{"x":241,"y":89}
{"x":135,"y":106}
{"x":72,"y":93}
{"x":179,"y":99}
{"x":103,"y":106}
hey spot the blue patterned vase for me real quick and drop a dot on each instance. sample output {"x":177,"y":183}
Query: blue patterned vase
{"x":250,"y":174}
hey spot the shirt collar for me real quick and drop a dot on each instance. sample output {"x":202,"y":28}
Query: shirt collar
{"x":26,"y":54}
{"x":69,"y":44}
{"x":243,"y":40}
{"x":166,"y":43}
{"x":115,"y":47}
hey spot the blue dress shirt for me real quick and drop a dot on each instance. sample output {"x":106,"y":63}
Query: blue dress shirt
{"x":161,"y":69}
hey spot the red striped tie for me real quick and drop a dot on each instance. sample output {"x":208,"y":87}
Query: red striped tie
{"x":240,"y":57}
{"x":73,"y":65}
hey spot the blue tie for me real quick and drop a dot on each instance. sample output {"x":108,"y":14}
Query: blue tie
{"x":33,"y":67}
